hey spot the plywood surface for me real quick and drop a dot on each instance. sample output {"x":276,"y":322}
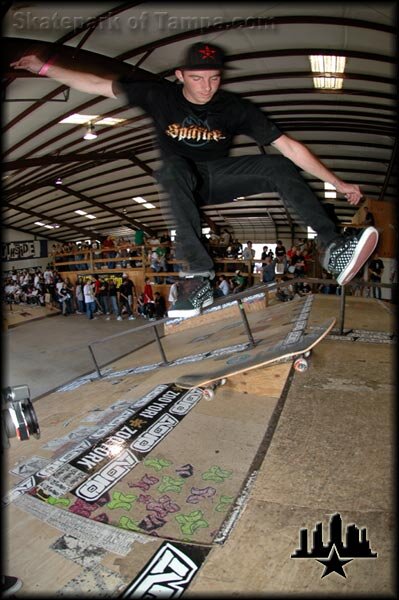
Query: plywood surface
{"x":195,"y":473}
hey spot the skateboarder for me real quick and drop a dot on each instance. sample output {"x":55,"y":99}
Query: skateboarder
{"x":196,"y":122}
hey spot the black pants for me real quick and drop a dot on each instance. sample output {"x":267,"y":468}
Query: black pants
{"x":191,"y":185}
{"x":376,"y":290}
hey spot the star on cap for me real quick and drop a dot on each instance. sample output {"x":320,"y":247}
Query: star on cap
{"x":207,"y":52}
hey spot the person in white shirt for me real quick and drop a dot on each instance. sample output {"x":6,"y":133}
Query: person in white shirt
{"x":223,"y":287}
{"x":173,"y":293}
{"x":90,"y":301}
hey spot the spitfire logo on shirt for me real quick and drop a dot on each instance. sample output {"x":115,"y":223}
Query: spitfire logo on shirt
{"x":194,"y":132}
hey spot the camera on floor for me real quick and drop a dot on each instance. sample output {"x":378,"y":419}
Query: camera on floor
{"x":18,"y":417}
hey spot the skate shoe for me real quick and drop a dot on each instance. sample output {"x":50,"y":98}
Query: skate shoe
{"x":346,"y":255}
{"x":194,"y":293}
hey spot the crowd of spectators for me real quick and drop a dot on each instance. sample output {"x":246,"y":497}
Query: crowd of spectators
{"x":113,"y":296}
{"x":113,"y":253}
{"x":26,"y":286}
{"x":90,"y":295}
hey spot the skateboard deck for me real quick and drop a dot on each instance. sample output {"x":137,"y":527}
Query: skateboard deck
{"x":259,"y":356}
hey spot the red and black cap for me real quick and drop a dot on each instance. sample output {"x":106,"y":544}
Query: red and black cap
{"x":203,"y":56}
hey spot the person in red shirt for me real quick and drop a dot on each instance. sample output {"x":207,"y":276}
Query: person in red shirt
{"x":149,"y":304}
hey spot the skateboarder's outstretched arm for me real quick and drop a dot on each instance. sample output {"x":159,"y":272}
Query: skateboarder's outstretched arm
{"x":303,"y":158}
{"x":78,"y":80}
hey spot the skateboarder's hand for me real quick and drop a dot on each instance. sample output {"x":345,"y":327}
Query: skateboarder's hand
{"x":351,"y":192}
{"x":30,"y":63}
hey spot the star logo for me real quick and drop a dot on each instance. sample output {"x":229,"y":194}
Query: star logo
{"x":207,"y":52}
{"x":341,"y":549}
{"x":334,"y":563}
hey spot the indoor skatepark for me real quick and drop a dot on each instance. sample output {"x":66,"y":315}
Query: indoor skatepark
{"x":283,"y":481}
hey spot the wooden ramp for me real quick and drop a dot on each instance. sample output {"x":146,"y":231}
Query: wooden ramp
{"x":131,"y":477}
{"x":128,"y":462}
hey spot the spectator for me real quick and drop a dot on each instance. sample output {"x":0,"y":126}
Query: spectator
{"x":265,"y":250}
{"x":97,"y":285}
{"x":376,"y":269}
{"x":269,"y":270}
{"x":223,"y":288}
{"x":298,"y":263}
{"x":103,"y":297}
{"x":90,"y":299}
{"x":71,"y":292}
{"x":160,"y":306}
{"x":138,"y":237}
{"x":368,"y":217}
{"x":113,"y":299}
{"x":140,"y":305}
{"x":79,"y":296}
{"x":324,"y":288}
{"x":281,"y":254}
{"x":173,"y":293}
{"x":131,"y":290}
{"x":225,"y":238}
{"x":238,"y":282}
{"x":149,"y":305}
{"x":63,"y":296}
{"x":123,"y":290}
{"x":109,"y":245}
{"x":248,"y":254}
{"x":155,"y":264}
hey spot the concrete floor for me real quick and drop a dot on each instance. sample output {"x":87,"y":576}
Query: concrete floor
{"x":50,"y":352}
{"x":332,"y":450}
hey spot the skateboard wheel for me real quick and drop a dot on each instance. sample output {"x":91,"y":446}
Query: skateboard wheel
{"x":307,"y":353}
{"x":208,"y":394}
{"x":301,"y":364}
{"x":223,"y":381}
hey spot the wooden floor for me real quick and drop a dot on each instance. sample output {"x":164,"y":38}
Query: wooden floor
{"x":283,"y":451}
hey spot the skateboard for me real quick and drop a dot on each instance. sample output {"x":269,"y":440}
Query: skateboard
{"x":258,"y":356}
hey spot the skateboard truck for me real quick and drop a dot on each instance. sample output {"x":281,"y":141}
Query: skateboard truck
{"x":208,"y":392}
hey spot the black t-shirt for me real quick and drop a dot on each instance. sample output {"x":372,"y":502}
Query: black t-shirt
{"x":197,"y":132}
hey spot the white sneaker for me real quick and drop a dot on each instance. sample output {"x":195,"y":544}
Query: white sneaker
{"x":131,"y":318}
{"x":119,"y":319}
{"x":108,"y":318}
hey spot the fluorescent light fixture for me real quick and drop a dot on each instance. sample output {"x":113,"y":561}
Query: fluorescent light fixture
{"x":58,"y":181}
{"x":327,"y":67}
{"x":48,"y":226}
{"x":139,"y":199}
{"x":90,"y":133}
{"x":85,"y":214}
{"x":39,"y":223}
{"x":110,"y":121}
{"x":328,"y":83}
{"x":330,"y":194}
{"x":148,"y":205}
{"x":78,"y":119}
